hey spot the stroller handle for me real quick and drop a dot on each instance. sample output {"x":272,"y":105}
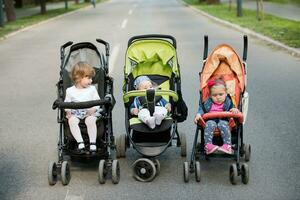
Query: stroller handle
{"x":137,"y":93}
{"x":149,"y":36}
{"x":80,"y":105}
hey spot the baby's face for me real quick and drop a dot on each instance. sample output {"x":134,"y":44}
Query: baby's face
{"x":218,"y":94}
{"x":145,"y":85}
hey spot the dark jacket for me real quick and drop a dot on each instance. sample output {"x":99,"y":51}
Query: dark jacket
{"x":208,"y":103}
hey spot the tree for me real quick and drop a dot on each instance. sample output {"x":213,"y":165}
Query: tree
{"x":43,"y":6}
{"x":10,"y":10}
{"x":259,"y":10}
{"x":19,"y":3}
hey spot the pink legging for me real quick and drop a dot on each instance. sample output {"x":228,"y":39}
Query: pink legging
{"x":90,"y":122}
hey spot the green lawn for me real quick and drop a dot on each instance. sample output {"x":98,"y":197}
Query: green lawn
{"x":27,"y":21}
{"x":283,"y":30}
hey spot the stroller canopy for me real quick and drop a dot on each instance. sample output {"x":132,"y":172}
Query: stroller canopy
{"x":224,"y":61}
{"x":83,"y":52}
{"x":151,"y":53}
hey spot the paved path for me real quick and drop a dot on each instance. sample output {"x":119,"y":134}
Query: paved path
{"x":28,"y":129}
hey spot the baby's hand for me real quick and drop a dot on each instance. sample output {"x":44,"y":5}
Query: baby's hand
{"x":168,"y":107}
{"x":234,"y":110}
{"x":68,"y":114}
{"x":197,"y":118}
{"x":91,"y":111}
{"x":134,"y":111}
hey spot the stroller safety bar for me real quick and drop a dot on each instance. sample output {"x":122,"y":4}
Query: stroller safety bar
{"x":215,"y":115}
{"x":136,"y":93}
{"x":81,"y":105}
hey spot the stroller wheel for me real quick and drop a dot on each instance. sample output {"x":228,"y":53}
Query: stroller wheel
{"x":186,"y":172}
{"x":245,"y":173}
{"x":144,"y":170}
{"x":65,"y":173}
{"x":52,"y":173}
{"x":115,"y":172}
{"x":121,"y":146}
{"x":102,"y":172}
{"x":247,"y":151}
{"x":183,"y":144}
{"x":157,"y":166}
{"x":233,"y":173}
{"x":198,"y":171}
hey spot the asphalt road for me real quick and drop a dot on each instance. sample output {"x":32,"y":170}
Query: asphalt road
{"x":30,"y":69}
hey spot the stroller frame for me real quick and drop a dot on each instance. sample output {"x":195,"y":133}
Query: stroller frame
{"x":241,"y":149}
{"x":62,"y":167}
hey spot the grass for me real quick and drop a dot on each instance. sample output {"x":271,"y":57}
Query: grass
{"x":283,"y":30}
{"x":30,"y":20}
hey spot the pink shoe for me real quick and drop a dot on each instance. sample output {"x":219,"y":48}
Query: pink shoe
{"x":210,"y":148}
{"x":226,"y":148}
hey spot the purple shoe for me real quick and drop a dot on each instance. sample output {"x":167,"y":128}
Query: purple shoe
{"x":226,"y":148}
{"x":210,"y":148}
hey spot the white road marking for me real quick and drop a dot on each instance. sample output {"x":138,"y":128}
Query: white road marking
{"x":124,"y":23}
{"x":113,"y":57}
{"x":130,"y":12}
{"x":67,"y":194}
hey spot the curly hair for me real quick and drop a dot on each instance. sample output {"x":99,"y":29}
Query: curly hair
{"x":81,"y":70}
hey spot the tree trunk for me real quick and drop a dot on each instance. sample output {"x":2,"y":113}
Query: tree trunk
{"x":10,"y":10}
{"x":43,"y":6}
{"x":77,"y":1}
{"x":19,"y":3}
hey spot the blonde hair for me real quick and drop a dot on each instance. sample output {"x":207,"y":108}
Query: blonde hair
{"x":81,"y":70}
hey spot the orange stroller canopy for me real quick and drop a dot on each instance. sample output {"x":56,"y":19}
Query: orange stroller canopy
{"x":224,"y":62}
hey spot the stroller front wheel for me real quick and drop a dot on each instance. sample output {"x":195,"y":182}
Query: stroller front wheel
{"x":52,"y":173}
{"x":65,"y":173}
{"x":144,"y":170}
{"x":102,"y":172}
{"x":115,"y":172}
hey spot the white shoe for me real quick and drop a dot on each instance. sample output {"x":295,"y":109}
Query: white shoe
{"x":151,"y":122}
{"x":158,"y":119}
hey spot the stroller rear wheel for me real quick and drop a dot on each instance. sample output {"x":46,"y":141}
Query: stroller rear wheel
{"x":247,"y":151}
{"x":183,"y":144}
{"x":197,"y":171}
{"x":102,"y":172}
{"x":121,"y":146}
{"x":115,"y":172}
{"x":144,"y":170}
{"x":52,"y":173}
{"x":65,"y":173}
{"x":157,"y":166}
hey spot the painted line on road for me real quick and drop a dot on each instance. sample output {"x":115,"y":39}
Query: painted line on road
{"x":130,"y":12}
{"x":124,"y":23}
{"x":113,"y":57}
{"x":67,"y":194}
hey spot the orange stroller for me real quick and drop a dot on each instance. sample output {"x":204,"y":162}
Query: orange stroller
{"x":225,"y":62}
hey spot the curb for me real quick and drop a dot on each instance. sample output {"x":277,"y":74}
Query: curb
{"x":45,"y":21}
{"x":293,"y":51}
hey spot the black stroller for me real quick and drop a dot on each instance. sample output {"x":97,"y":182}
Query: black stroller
{"x":67,"y":145}
{"x":153,"y":56}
